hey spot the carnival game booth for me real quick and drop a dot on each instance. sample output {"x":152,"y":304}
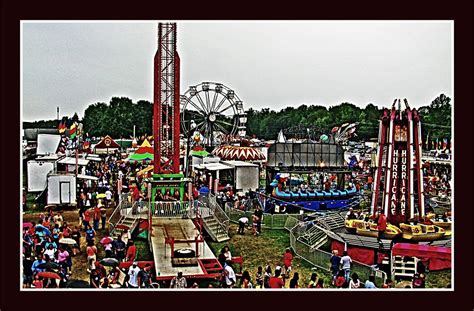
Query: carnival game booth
{"x":106,"y":146}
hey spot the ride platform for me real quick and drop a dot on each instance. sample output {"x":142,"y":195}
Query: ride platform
{"x":184,"y":233}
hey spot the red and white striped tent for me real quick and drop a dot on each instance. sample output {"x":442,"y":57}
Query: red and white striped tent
{"x":229,"y":153}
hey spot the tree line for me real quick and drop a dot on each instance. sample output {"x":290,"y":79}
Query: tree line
{"x":118,"y":117}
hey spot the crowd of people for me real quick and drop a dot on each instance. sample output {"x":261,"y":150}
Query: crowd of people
{"x":50,"y":244}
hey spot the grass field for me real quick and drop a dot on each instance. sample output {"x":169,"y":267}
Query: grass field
{"x":268,"y":248}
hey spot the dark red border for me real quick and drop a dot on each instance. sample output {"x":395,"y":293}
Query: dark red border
{"x":14,"y":11}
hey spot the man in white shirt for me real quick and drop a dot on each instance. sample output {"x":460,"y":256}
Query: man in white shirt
{"x":230,"y":278}
{"x":243,"y":221}
{"x":108,"y":197}
{"x":133,"y":275}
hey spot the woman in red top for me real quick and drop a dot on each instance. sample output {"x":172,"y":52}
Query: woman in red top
{"x":287,"y":261}
{"x":91,"y":255}
{"x":131,"y":251}
{"x":381,"y":223}
{"x":86,"y":218}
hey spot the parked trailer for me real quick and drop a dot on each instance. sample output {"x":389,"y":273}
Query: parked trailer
{"x":62,"y":189}
{"x":246,"y":175}
{"x":38,"y":175}
{"x":38,"y":171}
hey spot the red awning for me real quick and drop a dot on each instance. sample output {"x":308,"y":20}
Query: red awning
{"x":423,"y":251}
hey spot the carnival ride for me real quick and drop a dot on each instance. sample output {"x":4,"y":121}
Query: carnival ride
{"x":313,"y":200}
{"x":369,"y":228}
{"x":214,"y":110}
{"x":170,"y":218}
{"x":398,"y":187}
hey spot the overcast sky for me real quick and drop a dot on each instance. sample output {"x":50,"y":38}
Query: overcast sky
{"x":268,"y":64}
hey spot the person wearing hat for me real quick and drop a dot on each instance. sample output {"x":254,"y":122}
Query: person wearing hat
{"x":133,"y":275}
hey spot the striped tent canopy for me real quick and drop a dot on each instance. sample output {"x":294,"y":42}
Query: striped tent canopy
{"x":143,"y":153}
{"x":229,"y":153}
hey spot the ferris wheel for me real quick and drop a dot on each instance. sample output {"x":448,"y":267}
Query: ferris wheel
{"x":214,"y":110}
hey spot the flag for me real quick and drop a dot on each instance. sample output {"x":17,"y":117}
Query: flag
{"x":62,"y":126}
{"x":72,"y":131}
{"x":445,"y":143}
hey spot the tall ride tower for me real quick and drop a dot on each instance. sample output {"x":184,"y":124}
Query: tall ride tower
{"x":398,"y":187}
{"x":166,"y":102}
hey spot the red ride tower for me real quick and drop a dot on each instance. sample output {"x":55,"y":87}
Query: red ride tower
{"x":166,"y":102}
{"x":398,"y":186}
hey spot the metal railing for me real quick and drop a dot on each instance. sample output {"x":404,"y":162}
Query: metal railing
{"x":320,"y":258}
{"x":170,"y":209}
{"x":269,"y":221}
{"x":214,"y":209}
{"x":120,"y":210}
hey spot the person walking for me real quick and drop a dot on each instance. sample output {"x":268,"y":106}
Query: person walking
{"x":86,"y":218}
{"x":381,"y":225}
{"x":103,"y":216}
{"x":257,"y":219}
{"x":97,"y":216}
{"x":131,"y":252}
{"x":145,"y":277}
{"x":287,"y":262}
{"x":335,"y":264}
{"x":229,"y":276}
{"x":90,"y":234}
{"x":119,"y":248}
{"x":133,"y":275}
{"x":346,"y":265}
{"x":179,"y":281}
{"x":76,"y":236}
{"x":91,"y":252}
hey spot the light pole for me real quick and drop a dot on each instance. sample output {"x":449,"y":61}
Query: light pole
{"x":191,"y":128}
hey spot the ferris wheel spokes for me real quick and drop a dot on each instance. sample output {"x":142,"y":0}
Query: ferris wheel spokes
{"x":213,"y":116}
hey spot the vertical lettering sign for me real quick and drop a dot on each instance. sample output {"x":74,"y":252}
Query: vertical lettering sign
{"x":398,"y":197}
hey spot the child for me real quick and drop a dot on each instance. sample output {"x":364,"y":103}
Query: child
{"x":287,"y":261}
{"x":259,"y":277}
{"x":38,"y":282}
{"x":340,"y":279}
